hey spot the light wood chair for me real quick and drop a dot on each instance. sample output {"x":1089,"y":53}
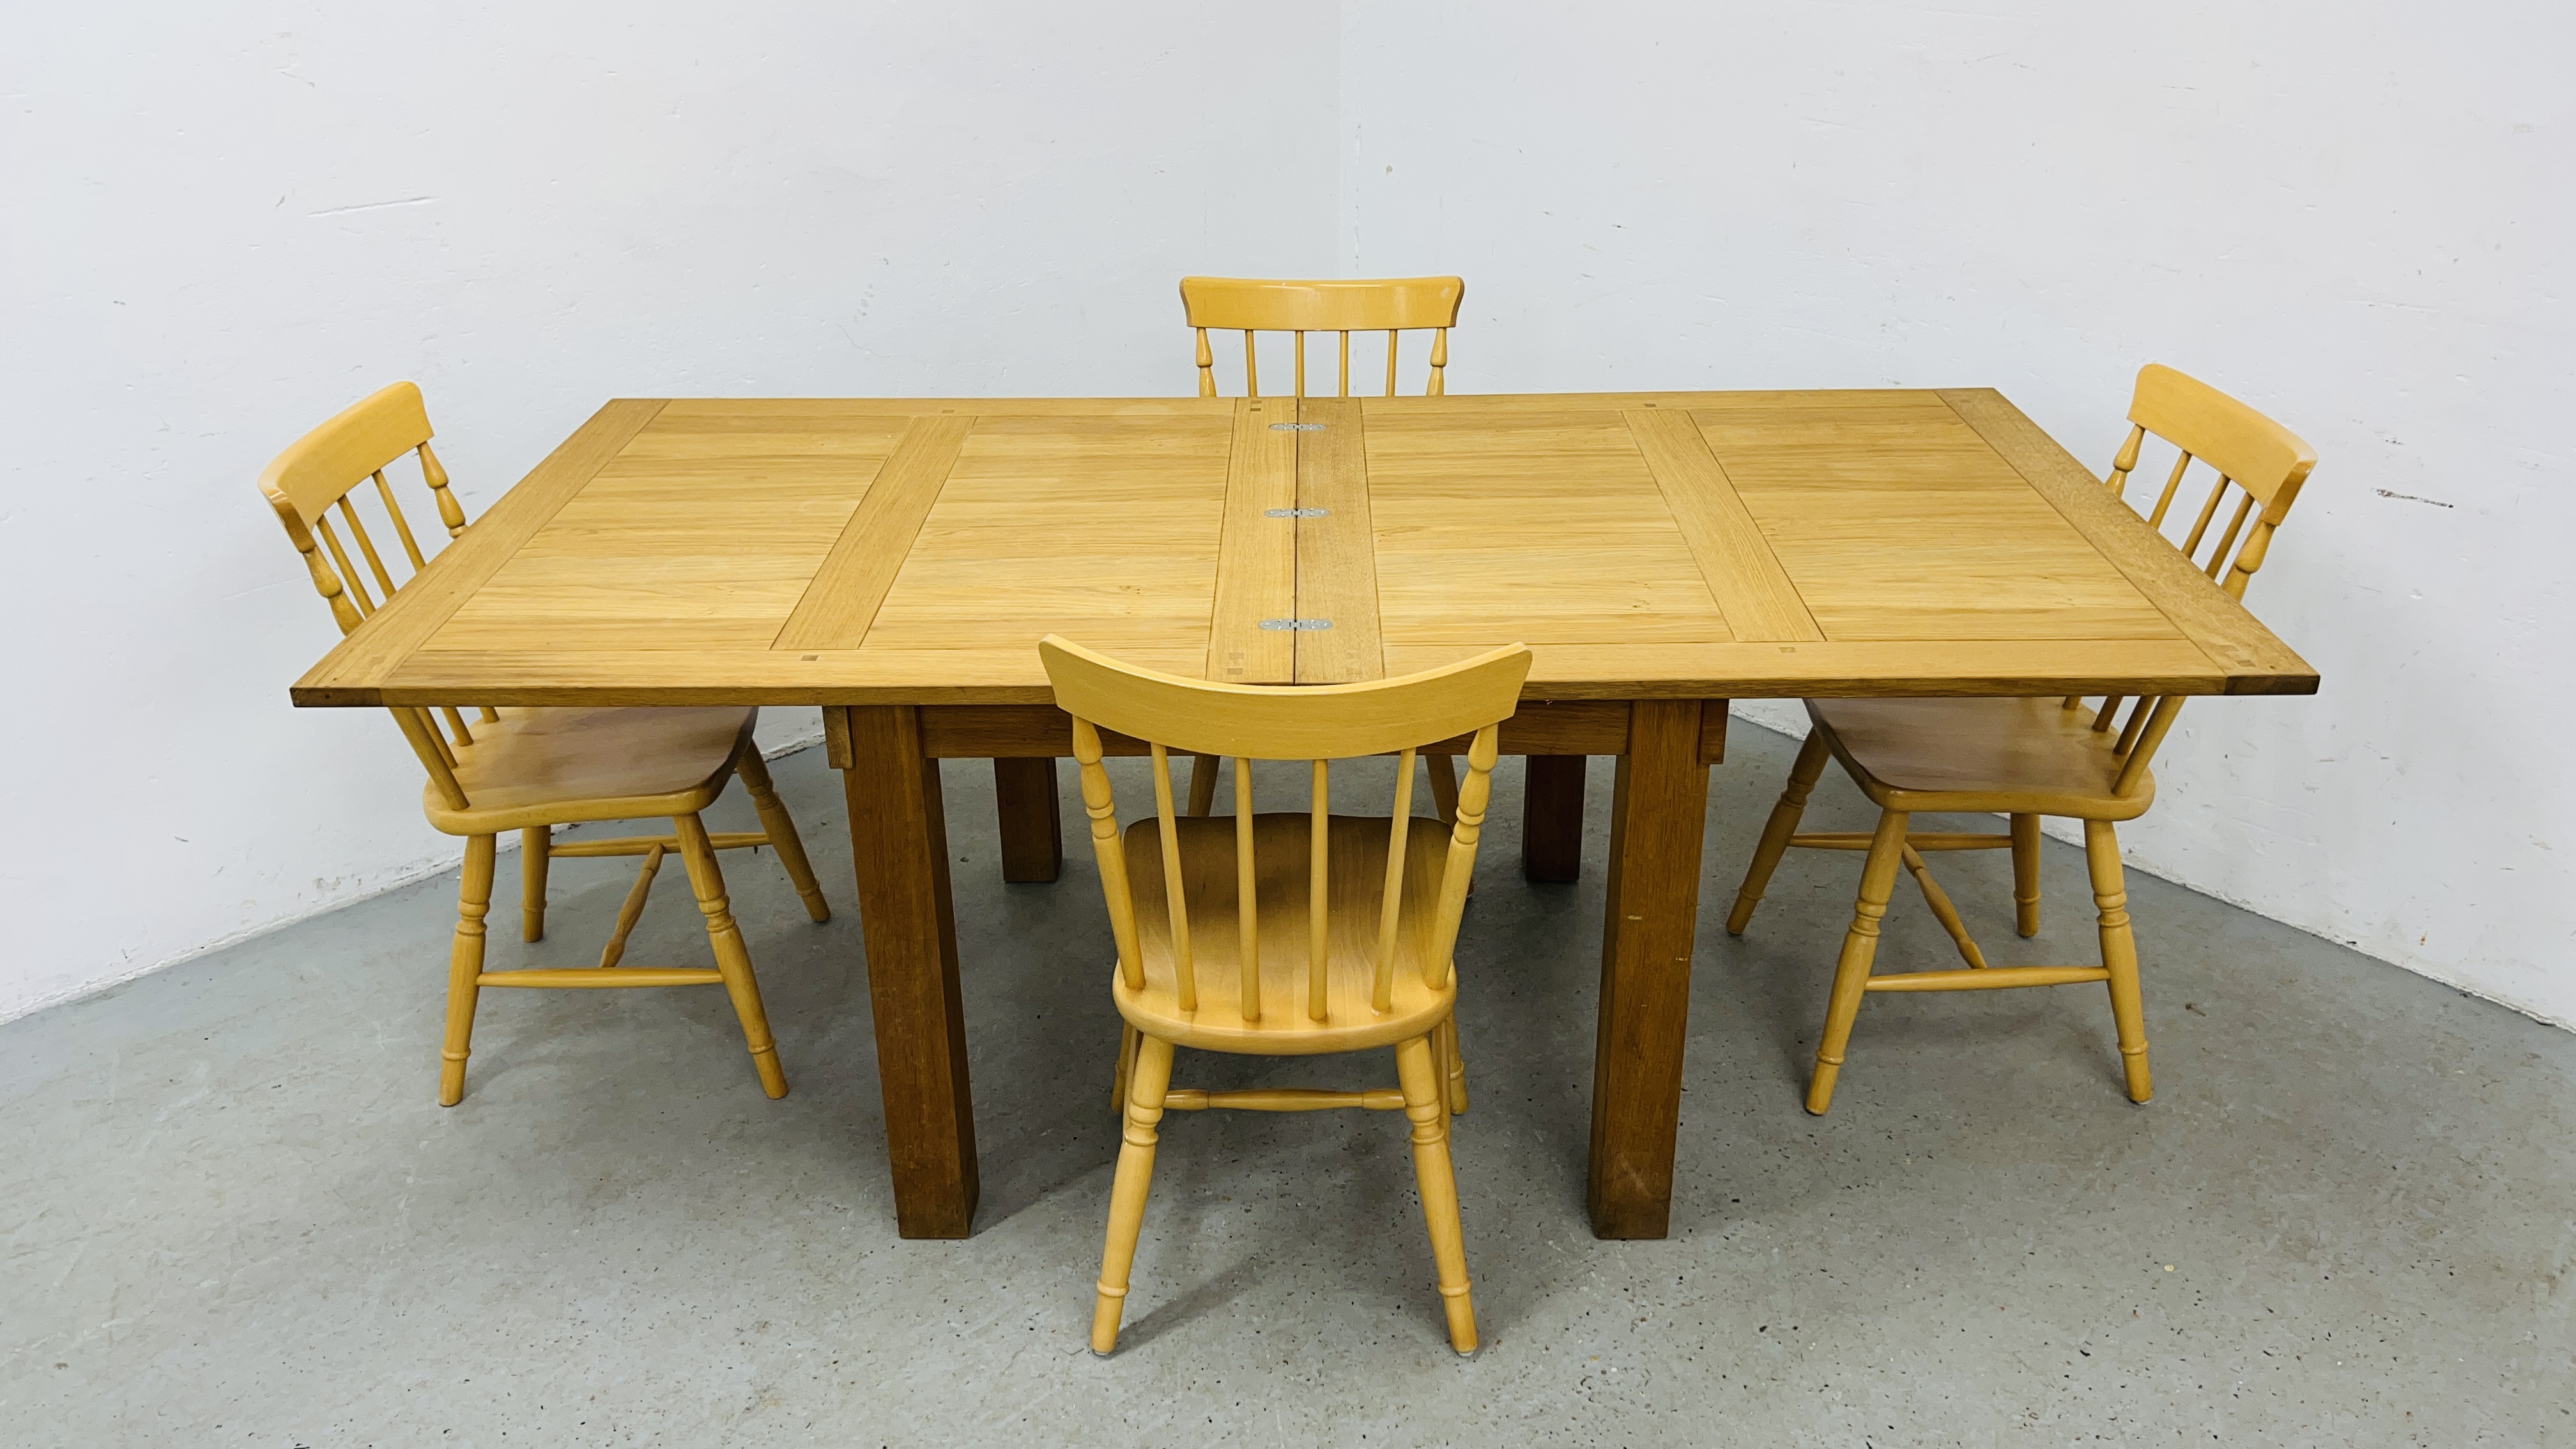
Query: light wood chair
{"x":531,"y":770}
{"x":1285,"y":934}
{"x":2026,"y":758}
{"x":1391,"y":305}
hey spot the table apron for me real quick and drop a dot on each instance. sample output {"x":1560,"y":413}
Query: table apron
{"x":1041,"y":731}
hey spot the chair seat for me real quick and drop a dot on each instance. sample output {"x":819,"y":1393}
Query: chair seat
{"x":2014,"y":756}
{"x":1356,"y":866}
{"x":564,"y":766}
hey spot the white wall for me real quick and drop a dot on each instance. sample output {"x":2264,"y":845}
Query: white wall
{"x":2356,"y":216}
{"x":223,"y":223}
{"x":221,"y":227}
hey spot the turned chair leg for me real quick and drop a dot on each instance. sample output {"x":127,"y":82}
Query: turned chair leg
{"x":1202,"y":784}
{"x":2025,"y":856}
{"x":780,"y":827}
{"x":1127,"y":1193}
{"x":2119,"y":955}
{"x":733,"y":958}
{"x":464,"y":966}
{"x":1424,"y":1103}
{"x":1776,"y":831}
{"x":1860,"y":948}
{"x":536,"y":851}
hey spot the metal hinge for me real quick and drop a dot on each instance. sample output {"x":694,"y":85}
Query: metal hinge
{"x":1296,"y":427}
{"x":1296,"y":513}
{"x":1296,"y":624}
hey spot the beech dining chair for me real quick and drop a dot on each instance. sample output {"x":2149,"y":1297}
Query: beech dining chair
{"x":1287,"y":934}
{"x":531,"y":770}
{"x":1388,"y":305}
{"x":2029,"y":758}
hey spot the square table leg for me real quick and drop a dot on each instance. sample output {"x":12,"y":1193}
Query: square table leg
{"x":1024,"y":793}
{"x":1552,"y":818}
{"x":1658,"y":814}
{"x":899,"y":846}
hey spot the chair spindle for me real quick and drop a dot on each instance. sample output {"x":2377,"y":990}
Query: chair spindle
{"x":1382,"y":987}
{"x":366,"y":546}
{"x":348,"y":575}
{"x":2173,"y":484}
{"x":1174,"y":896}
{"x":446,"y":750}
{"x":326,"y":582}
{"x":2218,"y":555}
{"x":434,"y":754}
{"x":2200,"y":525}
{"x":1319,"y":941}
{"x":2144,"y":748}
{"x":1247,"y":906}
{"x":2138,"y":716}
{"x":402,"y":525}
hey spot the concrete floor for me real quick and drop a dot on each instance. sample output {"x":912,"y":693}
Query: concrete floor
{"x":234,"y":1214}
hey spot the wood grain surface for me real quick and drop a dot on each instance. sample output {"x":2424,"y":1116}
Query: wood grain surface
{"x":1646,"y":545}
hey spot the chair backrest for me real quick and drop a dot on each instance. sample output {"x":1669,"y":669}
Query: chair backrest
{"x":316,"y":477}
{"x":2264,"y":462}
{"x":1316,"y":724}
{"x":1392,"y":305}
{"x":2261,"y":461}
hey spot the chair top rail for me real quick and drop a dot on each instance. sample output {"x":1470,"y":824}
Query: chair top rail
{"x":1336,"y":305}
{"x":320,"y":468}
{"x":1286,"y":722}
{"x":2262,"y":457}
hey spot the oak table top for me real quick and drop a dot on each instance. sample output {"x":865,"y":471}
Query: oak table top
{"x":1674,"y":545}
{"x":896,"y":561}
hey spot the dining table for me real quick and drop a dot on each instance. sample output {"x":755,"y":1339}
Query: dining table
{"x":895,"y":561}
